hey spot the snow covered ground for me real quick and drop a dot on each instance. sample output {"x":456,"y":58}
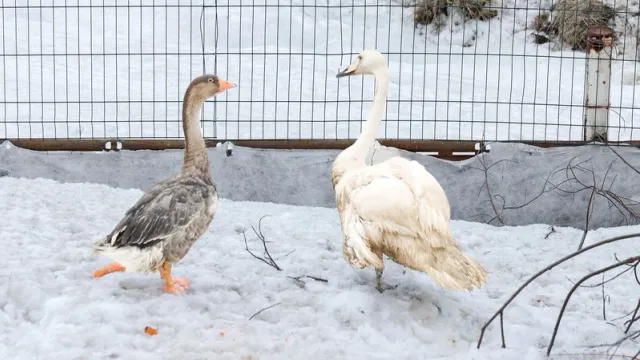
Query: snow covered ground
{"x":467,"y":83}
{"x":51,"y":307}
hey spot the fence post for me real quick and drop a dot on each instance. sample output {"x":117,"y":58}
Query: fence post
{"x":598,"y":82}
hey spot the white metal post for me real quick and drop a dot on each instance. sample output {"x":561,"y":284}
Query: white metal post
{"x":598,"y":83}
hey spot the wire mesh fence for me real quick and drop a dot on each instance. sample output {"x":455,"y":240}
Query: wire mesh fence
{"x":460,"y":69}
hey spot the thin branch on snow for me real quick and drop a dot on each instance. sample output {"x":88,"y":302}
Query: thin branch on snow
{"x":629,"y":268}
{"x":500,"y":311}
{"x":287,"y":254}
{"x":497,"y":201}
{"x":573,"y":183}
{"x":267,"y":259}
{"x":616,"y":346}
{"x":633,"y":319}
{"x":631,"y":260}
{"x":604,"y":281}
{"x":587,"y":355}
{"x":586,"y":219}
{"x":634,"y":313}
{"x":622,"y":204}
{"x":570,"y":185}
{"x":551,"y":231}
{"x":605,"y":298}
{"x":264,"y":309}
{"x":486,"y":185}
{"x":623,"y":159}
{"x":302,"y":284}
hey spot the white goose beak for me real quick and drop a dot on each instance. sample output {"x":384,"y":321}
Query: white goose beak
{"x":351,"y":70}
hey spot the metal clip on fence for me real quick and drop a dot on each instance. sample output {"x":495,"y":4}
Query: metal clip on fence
{"x":107,"y":146}
{"x":229,"y":146}
{"x":482,"y":147}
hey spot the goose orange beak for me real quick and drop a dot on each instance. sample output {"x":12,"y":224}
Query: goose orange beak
{"x":225,"y":85}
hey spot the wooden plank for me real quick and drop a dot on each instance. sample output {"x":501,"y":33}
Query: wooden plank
{"x":162,"y":144}
{"x":445,"y":148}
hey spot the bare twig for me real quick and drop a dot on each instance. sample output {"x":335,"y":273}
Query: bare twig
{"x":605,"y":297}
{"x":622,"y":316}
{"x":309,"y":277}
{"x":486,"y":185}
{"x":551,"y":231}
{"x":623,"y":159}
{"x":260,"y":312}
{"x":587,"y":218}
{"x":633,"y":319}
{"x":538,"y":274}
{"x":609,"y":279}
{"x":616,"y":345}
{"x":494,"y":198}
{"x":600,"y":355}
{"x":287,"y":254}
{"x":267,"y":259}
{"x":301,"y":283}
{"x":622,"y":204}
{"x":571,"y":185}
{"x":633,"y":259}
{"x":604,"y":281}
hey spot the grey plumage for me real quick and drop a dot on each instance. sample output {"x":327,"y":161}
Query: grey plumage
{"x":160,"y":228}
{"x":172,"y":215}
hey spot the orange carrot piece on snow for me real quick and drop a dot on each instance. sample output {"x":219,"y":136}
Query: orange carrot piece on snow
{"x":150,"y":331}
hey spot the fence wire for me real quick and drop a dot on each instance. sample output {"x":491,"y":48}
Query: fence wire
{"x":460,"y":69}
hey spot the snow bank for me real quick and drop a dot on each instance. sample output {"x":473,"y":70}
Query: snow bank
{"x":51,"y":307}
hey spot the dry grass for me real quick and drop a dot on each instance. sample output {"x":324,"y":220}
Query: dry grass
{"x":433,"y":11}
{"x":569,"y":20}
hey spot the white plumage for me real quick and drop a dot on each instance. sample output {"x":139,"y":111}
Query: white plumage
{"x":395,"y":207}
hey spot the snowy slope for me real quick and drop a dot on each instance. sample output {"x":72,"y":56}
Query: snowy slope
{"x":51,"y":307}
{"x":442,"y":87}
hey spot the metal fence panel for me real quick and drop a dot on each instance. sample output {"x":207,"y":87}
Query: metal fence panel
{"x":118,"y":69}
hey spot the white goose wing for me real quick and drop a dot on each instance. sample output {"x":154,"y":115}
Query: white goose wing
{"x":400,"y":197}
{"x":398,"y":208}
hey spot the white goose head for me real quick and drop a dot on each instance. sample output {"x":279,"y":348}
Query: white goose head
{"x":368,"y":62}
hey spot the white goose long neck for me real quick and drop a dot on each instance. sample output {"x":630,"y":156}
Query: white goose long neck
{"x":361,"y":146}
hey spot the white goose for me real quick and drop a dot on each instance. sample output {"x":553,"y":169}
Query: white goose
{"x":396,"y":207}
